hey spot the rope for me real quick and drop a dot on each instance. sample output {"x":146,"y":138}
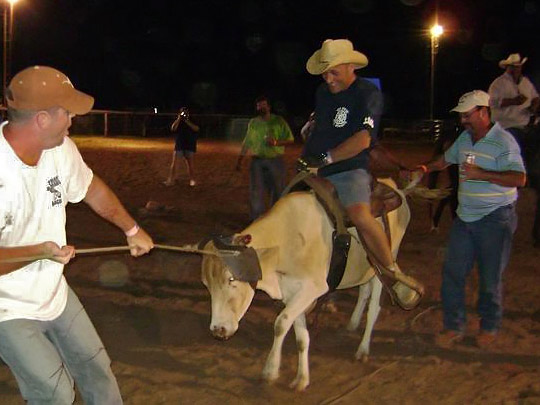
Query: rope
{"x":109,"y":249}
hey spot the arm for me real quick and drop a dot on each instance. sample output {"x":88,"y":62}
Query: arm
{"x":275,"y":142}
{"x":174,"y":125}
{"x":307,"y":129}
{"x":436,"y":164}
{"x":351,"y":146}
{"x":107,"y":205}
{"x":517,"y":100}
{"x":194,"y":127}
{"x":245,"y":148}
{"x":509,"y":178}
{"x":285,"y":136}
{"x":498,"y":95}
{"x":535,"y":103}
{"x":14,"y":258}
{"x":243,"y":152}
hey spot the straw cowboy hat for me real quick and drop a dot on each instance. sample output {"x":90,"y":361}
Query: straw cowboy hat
{"x":335,"y":52}
{"x":513,"y":59}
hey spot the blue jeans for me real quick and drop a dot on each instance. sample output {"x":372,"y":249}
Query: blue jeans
{"x":47,"y":356}
{"x":266,"y":176}
{"x":487,"y":242}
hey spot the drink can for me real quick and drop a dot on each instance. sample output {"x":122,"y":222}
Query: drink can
{"x":469,"y":158}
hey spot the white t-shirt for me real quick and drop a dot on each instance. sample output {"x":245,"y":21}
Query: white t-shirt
{"x":32,"y":210}
{"x":513,"y":116}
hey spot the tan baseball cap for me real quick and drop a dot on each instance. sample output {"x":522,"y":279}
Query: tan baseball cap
{"x":42,"y":87}
{"x":470,"y":100}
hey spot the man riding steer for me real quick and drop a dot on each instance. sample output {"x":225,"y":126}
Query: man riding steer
{"x":347,"y":114}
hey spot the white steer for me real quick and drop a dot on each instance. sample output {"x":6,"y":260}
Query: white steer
{"x":293,"y":242}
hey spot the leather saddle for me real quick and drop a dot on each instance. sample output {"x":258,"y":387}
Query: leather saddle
{"x":405,"y":291}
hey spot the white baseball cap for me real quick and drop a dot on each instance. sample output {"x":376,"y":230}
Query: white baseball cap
{"x":470,"y":100}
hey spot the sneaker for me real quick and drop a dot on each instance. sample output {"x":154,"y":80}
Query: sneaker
{"x":192,"y":183}
{"x":448,"y":337}
{"x":486,"y":339}
{"x":169,"y":183}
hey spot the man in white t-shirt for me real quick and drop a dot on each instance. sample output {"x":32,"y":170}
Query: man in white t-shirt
{"x":514,"y":100}
{"x":46,"y":337}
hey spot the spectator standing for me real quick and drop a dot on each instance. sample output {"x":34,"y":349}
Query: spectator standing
{"x":266,"y":138}
{"x":185,"y":146}
{"x":491,"y":169}
{"x":514,"y":102}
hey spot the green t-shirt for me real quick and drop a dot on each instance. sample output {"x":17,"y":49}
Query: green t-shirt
{"x":259,"y":130}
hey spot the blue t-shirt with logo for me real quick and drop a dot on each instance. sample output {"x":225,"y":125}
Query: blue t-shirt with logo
{"x":339,"y":116}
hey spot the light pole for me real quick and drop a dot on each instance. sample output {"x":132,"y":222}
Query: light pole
{"x":435,"y":32}
{"x":7,"y":44}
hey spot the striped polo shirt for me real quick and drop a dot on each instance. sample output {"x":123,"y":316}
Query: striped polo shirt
{"x":497,"y":151}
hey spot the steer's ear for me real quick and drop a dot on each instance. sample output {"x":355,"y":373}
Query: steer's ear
{"x":269,"y":260}
{"x":242,"y":240}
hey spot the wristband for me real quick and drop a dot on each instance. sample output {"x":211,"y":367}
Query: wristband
{"x":328,"y":158}
{"x":133,"y":231}
{"x":423,"y":168}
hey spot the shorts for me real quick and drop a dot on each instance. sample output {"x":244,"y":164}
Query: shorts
{"x":353,"y":186}
{"x":184,"y":152}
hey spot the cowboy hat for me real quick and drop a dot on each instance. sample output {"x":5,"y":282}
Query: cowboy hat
{"x":513,"y":59}
{"x":335,"y":52}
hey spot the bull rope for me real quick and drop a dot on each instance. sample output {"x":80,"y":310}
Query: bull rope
{"x":110,"y":249}
{"x":339,"y":397}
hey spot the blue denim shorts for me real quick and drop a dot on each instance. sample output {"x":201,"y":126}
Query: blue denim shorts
{"x":184,"y":153}
{"x":353,"y":186}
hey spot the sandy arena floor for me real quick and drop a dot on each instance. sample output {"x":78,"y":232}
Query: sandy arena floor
{"x":153,"y":312}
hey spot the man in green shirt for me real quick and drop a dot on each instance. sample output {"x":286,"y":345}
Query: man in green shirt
{"x":266,"y":137}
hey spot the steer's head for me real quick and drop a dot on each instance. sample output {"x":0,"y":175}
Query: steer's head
{"x":230,"y":296}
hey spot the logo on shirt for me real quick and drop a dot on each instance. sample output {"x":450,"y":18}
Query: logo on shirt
{"x":8,"y":223}
{"x":52,"y":184}
{"x":340,"y":120}
{"x":368,"y":122}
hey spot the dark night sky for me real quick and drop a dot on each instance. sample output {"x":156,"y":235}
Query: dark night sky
{"x":217,"y":55}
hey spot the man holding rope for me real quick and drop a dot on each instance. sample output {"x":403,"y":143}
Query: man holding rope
{"x":46,"y":337}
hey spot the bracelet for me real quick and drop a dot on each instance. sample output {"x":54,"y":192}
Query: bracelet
{"x":328,"y":158}
{"x":423,"y":168}
{"x":133,"y":231}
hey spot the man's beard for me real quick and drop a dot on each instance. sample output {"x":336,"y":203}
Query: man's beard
{"x":261,"y":112}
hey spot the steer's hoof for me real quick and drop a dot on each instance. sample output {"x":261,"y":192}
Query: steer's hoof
{"x":270,"y":376}
{"x":299,"y":384}
{"x":352,"y":326}
{"x":362,"y":356}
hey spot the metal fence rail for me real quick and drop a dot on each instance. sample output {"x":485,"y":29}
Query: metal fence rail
{"x":128,"y":123}
{"x":233,"y":127}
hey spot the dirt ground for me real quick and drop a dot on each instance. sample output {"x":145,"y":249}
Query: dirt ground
{"x":153,"y":312}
